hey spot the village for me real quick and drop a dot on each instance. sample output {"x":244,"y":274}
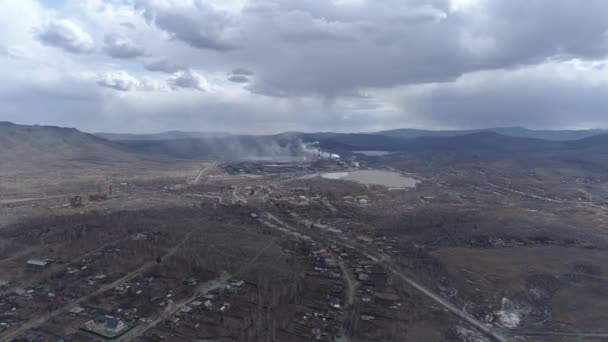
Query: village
{"x":251,"y":251}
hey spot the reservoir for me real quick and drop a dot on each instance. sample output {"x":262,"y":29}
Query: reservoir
{"x":374,"y":177}
{"x":373,"y":153}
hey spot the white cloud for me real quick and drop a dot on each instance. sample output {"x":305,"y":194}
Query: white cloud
{"x":119,"y":81}
{"x":188,"y":79}
{"x":66,"y":34}
{"x":123,"y":81}
{"x":119,"y":46}
{"x":381,"y":64}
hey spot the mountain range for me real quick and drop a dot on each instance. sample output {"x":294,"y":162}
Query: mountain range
{"x":25,"y":146}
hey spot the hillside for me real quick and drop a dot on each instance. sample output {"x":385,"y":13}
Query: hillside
{"x":520,"y":132}
{"x":47,"y":147}
{"x":169,"y":135}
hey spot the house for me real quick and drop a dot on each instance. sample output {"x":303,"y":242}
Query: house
{"x":237,"y":283}
{"x":106,"y":325}
{"x":110,"y":323}
{"x":186,"y":309}
{"x":36,"y":263}
{"x":76,"y":310}
{"x":191,"y":281}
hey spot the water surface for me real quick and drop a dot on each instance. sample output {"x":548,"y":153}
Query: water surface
{"x":373,"y":153}
{"x":374,"y":177}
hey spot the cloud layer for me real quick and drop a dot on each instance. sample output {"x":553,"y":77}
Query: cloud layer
{"x":67,"y":35}
{"x":275,"y":65}
{"x":118,"y":46}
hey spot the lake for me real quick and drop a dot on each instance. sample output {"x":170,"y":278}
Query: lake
{"x":373,"y":153}
{"x":374,"y":177}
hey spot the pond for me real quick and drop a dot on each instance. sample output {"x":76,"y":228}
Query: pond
{"x":374,"y":177}
{"x":373,"y":153}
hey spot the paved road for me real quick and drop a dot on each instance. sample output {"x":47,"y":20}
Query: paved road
{"x":36,"y":322}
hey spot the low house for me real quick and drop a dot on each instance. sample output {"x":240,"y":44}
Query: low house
{"x":106,"y":325}
{"x":363,"y":277}
{"x":77,"y":310}
{"x":111,"y":324}
{"x":36,"y":263}
{"x":237,"y":283}
{"x":191,"y":281}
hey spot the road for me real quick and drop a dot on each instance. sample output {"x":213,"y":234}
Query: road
{"x":351,"y":286}
{"x":64,"y":266}
{"x":174,"y":308}
{"x":201,"y":290}
{"x":486,"y":329}
{"x":350,"y":282}
{"x":586,"y":336}
{"x":388,"y":265}
{"x":36,"y":322}
{"x":32,"y":199}
{"x":204,"y":171}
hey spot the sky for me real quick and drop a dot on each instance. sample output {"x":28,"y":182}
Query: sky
{"x":268,"y":66}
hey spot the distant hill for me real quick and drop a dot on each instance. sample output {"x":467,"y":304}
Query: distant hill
{"x":555,"y":135}
{"x":486,"y":143}
{"x":482,"y":141}
{"x":169,"y":135}
{"x":23,"y":147}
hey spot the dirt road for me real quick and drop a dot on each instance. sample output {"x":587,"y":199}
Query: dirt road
{"x":171,"y":310}
{"x":351,"y":286}
{"x":36,"y":322}
{"x":204,"y":171}
{"x":385,"y":262}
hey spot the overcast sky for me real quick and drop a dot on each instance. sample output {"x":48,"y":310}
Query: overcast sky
{"x":264,"y":66}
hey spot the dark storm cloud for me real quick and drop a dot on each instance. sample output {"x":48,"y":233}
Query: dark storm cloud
{"x":329,"y":64}
{"x":340,"y":48}
{"x":392,"y":50}
{"x":118,"y":46}
{"x":238,"y":79}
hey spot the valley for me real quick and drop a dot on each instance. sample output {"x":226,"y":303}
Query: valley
{"x":422,"y":244}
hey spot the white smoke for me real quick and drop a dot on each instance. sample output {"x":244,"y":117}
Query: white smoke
{"x":313,"y":150}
